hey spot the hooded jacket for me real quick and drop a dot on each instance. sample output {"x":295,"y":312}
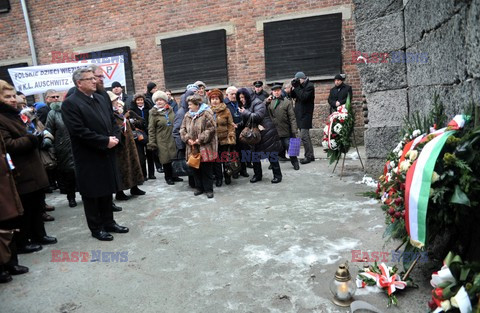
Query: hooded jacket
{"x":257,"y":112}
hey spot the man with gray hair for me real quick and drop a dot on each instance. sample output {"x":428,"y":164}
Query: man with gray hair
{"x":94,"y":135}
{"x":51,"y":96}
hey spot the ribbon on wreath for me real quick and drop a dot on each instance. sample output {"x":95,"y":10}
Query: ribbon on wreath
{"x":341,"y":110}
{"x":419,"y":180}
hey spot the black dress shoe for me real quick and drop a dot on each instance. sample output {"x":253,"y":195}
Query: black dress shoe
{"x":228,"y":180}
{"x":160,"y":170}
{"x":244,"y":174}
{"x":16,"y":269}
{"x":218,"y":183}
{"x":72,"y":203}
{"x":135,"y":191}
{"x":115,"y":228}
{"x":29,"y":248}
{"x":47,"y":217}
{"x":116,"y":208}
{"x":296,"y":166}
{"x":197,"y":192}
{"x":305,"y":161}
{"x":177,"y":179}
{"x":255,"y":179}
{"x":5,"y":277}
{"x":283,"y":159}
{"x":170,"y":182}
{"x":45,"y":240}
{"x":121,"y":196}
{"x":102,"y":235}
{"x":209,"y":195}
{"x":151,"y":177}
{"x":276,"y":180}
{"x":49,"y":208}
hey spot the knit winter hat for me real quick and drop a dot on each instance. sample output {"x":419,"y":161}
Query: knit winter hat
{"x":340,"y":76}
{"x":199,"y":83}
{"x":192,"y":86}
{"x":150,"y":86}
{"x":300,"y":75}
{"x":116,"y":84}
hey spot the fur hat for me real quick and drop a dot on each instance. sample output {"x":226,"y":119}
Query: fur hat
{"x":215,"y":93}
{"x":159,"y":95}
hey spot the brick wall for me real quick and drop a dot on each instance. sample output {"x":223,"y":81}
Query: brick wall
{"x":66,"y":25}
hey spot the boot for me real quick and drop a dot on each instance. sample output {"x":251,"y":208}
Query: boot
{"x":135,"y":191}
{"x":71,"y":200}
{"x":121,"y":196}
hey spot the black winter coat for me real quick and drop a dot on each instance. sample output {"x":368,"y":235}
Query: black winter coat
{"x":339,"y":94}
{"x":270,"y":141}
{"x":90,"y":122}
{"x":61,"y":143}
{"x":304,"y":96}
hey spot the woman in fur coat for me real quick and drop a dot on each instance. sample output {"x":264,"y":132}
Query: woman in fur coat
{"x":225,"y":133}
{"x":198,"y":131}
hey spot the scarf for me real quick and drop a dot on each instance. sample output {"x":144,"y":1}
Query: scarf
{"x":202,"y":108}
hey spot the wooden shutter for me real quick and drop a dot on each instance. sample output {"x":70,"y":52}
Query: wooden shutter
{"x":189,"y":58}
{"x":312,"y":45}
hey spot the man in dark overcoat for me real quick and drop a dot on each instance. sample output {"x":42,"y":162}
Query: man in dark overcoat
{"x":339,"y":94}
{"x":94,"y":135}
{"x":303,"y":91}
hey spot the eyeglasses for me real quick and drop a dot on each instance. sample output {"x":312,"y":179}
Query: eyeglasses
{"x":90,"y":78}
{"x":55,"y":97}
{"x":100,"y":76}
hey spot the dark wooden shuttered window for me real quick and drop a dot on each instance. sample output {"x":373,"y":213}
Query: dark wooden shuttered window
{"x":189,"y":58}
{"x":312,"y":45}
{"x":109,"y":56}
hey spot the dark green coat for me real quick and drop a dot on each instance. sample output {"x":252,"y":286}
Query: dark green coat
{"x":283,"y":117}
{"x":160,"y":137}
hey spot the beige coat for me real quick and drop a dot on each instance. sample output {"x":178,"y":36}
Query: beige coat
{"x":203,"y":128}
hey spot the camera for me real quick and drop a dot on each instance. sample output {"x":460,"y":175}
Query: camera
{"x":295,"y":82}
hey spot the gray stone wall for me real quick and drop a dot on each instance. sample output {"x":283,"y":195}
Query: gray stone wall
{"x":444,"y":35}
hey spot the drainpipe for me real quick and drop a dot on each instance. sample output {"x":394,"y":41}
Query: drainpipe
{"x":30,"y":38}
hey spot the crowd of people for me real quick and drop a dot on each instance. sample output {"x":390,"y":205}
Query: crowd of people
{"x":102,"y":143}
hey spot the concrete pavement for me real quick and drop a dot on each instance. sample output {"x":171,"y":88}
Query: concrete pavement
{"x":252,"y":248}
